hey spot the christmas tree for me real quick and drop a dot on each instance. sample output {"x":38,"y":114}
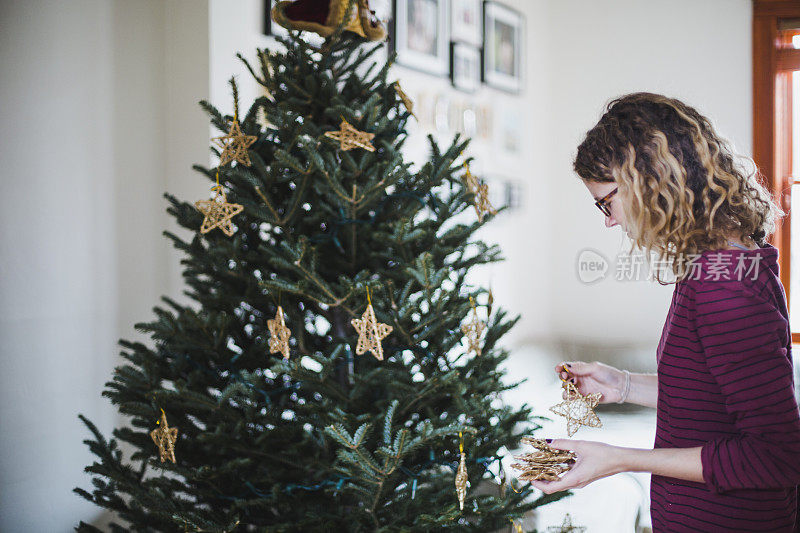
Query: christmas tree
{"x":338,"y":361}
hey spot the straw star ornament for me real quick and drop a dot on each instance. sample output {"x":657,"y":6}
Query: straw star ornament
{"x":473,"y":330}
{"x":234,"y":145}
{"x":350,"y":138}
{"x":279,"y":334}
{"x":407,"y":103}
{"x":566,"y":527}
{"x":218,"y":212}
{"x":544,"y":464}
{"x":165,"y":437}
{"x":578,"y":409}
{"x":480,"y":191}
{"x":370,"y":332}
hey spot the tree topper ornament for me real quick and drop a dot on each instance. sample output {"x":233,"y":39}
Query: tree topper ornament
{"x":324,"y":16}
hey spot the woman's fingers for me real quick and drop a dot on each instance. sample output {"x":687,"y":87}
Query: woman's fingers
{"x":567,"y":481}
{"x":565,"y":371}
{"x":563,"y":444}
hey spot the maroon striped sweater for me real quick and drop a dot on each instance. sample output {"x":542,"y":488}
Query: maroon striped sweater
{"x":725,"y":383}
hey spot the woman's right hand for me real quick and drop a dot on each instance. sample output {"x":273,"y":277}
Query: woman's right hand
{"x":593,"y":377}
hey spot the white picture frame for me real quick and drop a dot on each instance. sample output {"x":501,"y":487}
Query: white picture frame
{"x":421,"y":35}
{"x":466,"y":22}
{"x":503,"y":34}
{"x":465,"y":67}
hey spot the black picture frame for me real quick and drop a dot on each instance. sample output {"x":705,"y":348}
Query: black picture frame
{"x":465,"y":66}
{"x":503,"y":40}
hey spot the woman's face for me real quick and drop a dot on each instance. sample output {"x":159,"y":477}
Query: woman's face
{"x":599,"y":189}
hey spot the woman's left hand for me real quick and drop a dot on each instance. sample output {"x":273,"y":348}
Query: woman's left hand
{"x":594,"y":460}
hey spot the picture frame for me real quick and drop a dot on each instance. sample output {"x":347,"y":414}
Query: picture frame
{"x":420,"y":35}
{"x":269,"y":26}
{"x":465,"y":67}
{"x":466,"y":22}
{"x":503,"y":33}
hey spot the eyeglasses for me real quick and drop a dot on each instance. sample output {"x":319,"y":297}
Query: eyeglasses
{"x":602,"y":203}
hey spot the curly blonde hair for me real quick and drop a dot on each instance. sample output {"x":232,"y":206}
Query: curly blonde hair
{"x":682,"y":187}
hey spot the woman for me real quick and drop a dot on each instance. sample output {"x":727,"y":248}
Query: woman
{"x":727,"y":447}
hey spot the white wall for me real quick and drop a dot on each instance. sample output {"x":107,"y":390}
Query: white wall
{"x":697,"y":51}
{"x":89,"y":139}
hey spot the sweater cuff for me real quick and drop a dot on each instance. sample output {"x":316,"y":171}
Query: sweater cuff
{"x":709,"y":457}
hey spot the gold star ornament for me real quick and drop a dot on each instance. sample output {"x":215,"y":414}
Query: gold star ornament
{"x":165,"y":437}
{"x":473,"y":330}
{"x":578,"y":409}
{"x":566,"y":527}
{"x":370,"y":332}
{"x":480,"y":191}
{"x":544,"y":464}
{"x":407,"y":103}
{"x":218,"y":213}
{"x":350,"y":138}
{"x":279,"y":334}
{"x":234,"y":145}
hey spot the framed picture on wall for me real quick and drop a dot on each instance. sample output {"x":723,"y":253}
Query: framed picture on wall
{"x":420,"y":35}
{"x":270,"y":26}
{"x":502,"y":46}
{"x":466,"y":21}
{"x":465,"y":67}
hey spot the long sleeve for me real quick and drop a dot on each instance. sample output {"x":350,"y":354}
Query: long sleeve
{"x":744,"y":337}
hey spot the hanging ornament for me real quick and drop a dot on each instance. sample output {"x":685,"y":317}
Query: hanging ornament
{"x":279,"y":334}
{"x":407,"y":103}
{"x":218,"y":212}
{"x":234,"y":145}
{"x":566,"y":527}
{"x":473,"y":330}
{"x":370,"y":332}
{"x":350,"y":138}
{"x":480,"y":192}
{"x":461,"y":474}
{"x":578,"y":409}
{"x":323,"y":16}
{"x":165,"y":437}
{"x":490,"y":303}
{"x":545,"y":464}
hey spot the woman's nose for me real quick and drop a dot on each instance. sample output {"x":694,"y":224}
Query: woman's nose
{"x":611,"y":222}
